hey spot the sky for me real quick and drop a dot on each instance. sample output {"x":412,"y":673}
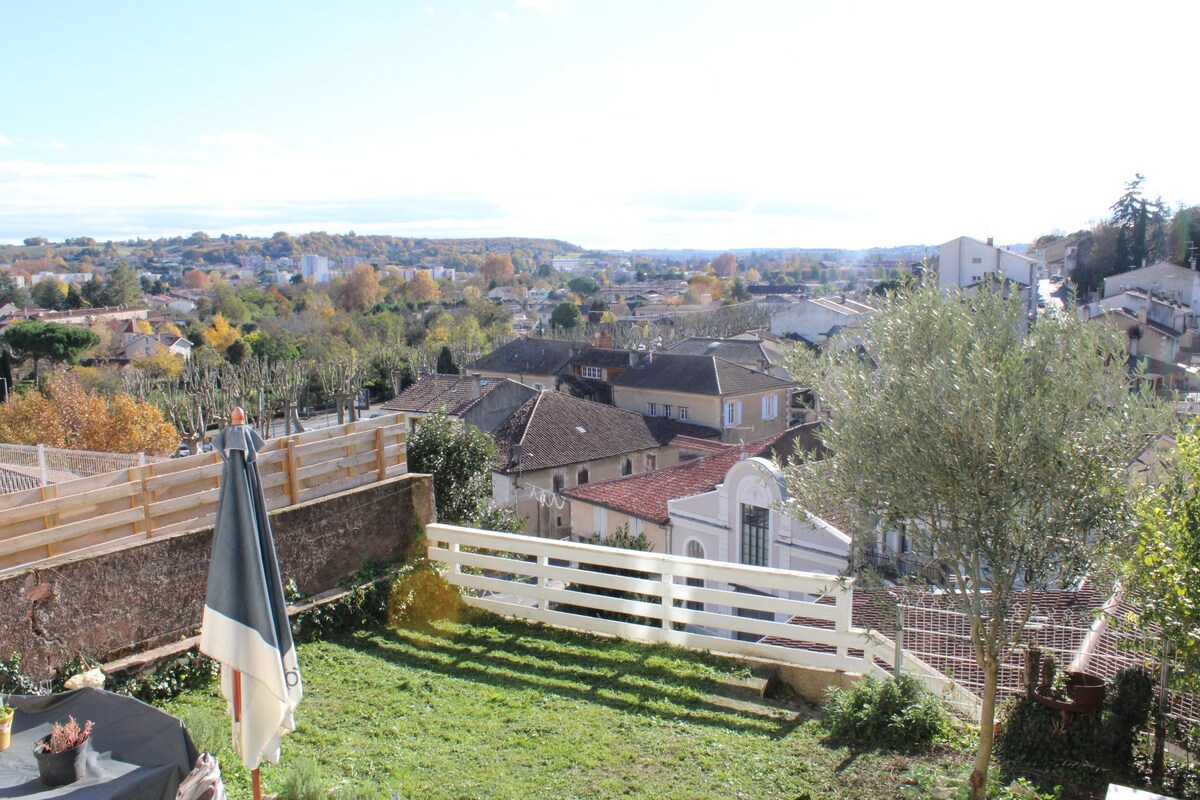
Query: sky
{"x":615,"y":124}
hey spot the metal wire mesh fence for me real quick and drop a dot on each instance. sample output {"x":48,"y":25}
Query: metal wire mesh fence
{"x":1072,"y":627}
{"x":29,"y":466}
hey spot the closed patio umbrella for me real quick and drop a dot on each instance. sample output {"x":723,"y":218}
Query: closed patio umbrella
{"x":245,"y":625}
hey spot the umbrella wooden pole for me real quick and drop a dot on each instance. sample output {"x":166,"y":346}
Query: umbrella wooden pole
{"x":255,"y":784}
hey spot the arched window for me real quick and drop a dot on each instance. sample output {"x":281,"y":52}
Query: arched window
{"x":695,"y":549}
{"x":581,"y":477}
{"x":627,"y":466}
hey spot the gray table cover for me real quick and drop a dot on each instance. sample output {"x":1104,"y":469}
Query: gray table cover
{"x":138,"y":752}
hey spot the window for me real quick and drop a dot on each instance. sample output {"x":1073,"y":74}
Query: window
{"x":695,"y":550}
{"x":667,"y":411}
{"x":627,"y":466}
{"x":756,"y":530}
{"x":558,"y":482}
{"x":733,"y":413}
{"x":683,"y":412}
{"x":581,"y":477}
{"x":770,"y":406}
{"x":977,"y":260}
{"x":651,"y":461}
{"x":592,"y":372}
{"x":652,"y":409}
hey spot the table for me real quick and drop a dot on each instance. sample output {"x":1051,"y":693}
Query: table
{"x":138,"y":752}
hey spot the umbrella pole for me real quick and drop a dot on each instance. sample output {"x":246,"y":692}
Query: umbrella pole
{"x":255,"y":784}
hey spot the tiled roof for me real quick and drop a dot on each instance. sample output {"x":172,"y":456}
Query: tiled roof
{"x":646,"y":495}
{"x":555,"y":429}
{"x":697,"y":375}
{"x":529,"y":356}
{"x":746,"y":352}
{"x":602,"y":357}
{"x":454,"y":393}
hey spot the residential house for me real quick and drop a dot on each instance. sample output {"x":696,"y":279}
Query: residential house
{"x":533,"y":362}
{"x":555,"y":442}
{"x":1163,"y":279}
{"x":740,"y":403}
{"x":816,"y":319}
{"x":963,"y":262}
{"x":483,"y":402}
{"x":590,"y":371}
{"x":726,"y":506}
{"x":750,"y":352}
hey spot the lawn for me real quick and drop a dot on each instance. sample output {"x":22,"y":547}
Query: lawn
{"x":498,"y":708}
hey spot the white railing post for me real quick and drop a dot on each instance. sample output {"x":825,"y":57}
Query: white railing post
{"x":41,"y":456}
{"x":543,"y":582}
{"x":667,"y":582}
{"x":841,"y":622}
{"x":898,"y":660}
{"x":455,"y":548}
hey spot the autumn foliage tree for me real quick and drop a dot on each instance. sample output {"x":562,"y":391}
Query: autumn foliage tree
{"x":197,"y":279}
{"x":725,"y":265}
{"x":497,"y":268}
{"x":361,"y":289}
{"x":220,"y":335}
{"x":423,"y":288}
{"x":65,"y":414}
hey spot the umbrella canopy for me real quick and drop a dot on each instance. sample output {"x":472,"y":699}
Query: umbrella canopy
{"x":245,"y":624}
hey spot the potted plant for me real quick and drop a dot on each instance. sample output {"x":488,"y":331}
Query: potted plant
{"x":62,"y":755}
{"x":6,"y":718}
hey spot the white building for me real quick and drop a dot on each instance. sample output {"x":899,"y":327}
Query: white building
{"x":816,"y":319}
{"x":739,"y":521}
{"x":965,"y":263}
{"x":315,"y":267}
{"x":1163,"y":279}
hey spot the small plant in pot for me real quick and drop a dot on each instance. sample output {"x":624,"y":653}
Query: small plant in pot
{"x":62,"y":755}
{"x":6,"y":720}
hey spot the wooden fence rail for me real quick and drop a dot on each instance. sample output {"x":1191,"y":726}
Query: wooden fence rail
{"x":181,"y":494}
{"x":801,"y":618}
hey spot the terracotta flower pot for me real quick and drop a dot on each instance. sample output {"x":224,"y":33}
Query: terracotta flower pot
{"x":6,"y":730}
{"x":1085,"y":694}
{"x":60,"y":769}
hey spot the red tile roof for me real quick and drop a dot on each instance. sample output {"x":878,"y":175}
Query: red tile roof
{"x":646,"y":495}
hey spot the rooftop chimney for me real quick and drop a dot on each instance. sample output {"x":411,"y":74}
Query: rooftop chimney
{"x":990,"y":240}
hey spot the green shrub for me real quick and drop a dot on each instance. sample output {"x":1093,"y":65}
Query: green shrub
{"x":303,"y":781}
{"x":897,"y":713}
{"x":420,"y":595}
{"x":209,"y":735}
{"x":1091,"y":745}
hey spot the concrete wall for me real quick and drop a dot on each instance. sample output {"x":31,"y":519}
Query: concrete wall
{"x":143,"y":595}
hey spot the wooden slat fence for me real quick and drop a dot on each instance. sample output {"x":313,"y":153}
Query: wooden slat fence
{"x":181,"y":494}
{"x":801,"y":618}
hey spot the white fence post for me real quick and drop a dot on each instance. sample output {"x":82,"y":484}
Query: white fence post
{"x":543,"y":582}
{"x":898,"y":661}
{"x":841,"y":623}
{"x":41,"y":457}
{"x":667,"y":581}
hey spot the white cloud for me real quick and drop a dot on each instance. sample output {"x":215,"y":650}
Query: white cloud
{"x":237,"y":139}
{"x":544,"y":6}
{"x":500,"y":15}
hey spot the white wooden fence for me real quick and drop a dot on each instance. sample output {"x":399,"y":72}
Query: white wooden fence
{"x":800,"y":618}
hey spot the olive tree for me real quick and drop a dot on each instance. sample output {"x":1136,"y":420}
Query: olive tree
{"x":1000,"y":444}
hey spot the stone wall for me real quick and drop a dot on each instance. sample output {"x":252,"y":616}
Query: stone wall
{"x":146,"y":594}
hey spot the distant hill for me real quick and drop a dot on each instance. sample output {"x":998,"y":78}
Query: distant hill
{"x":214,"y":249}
